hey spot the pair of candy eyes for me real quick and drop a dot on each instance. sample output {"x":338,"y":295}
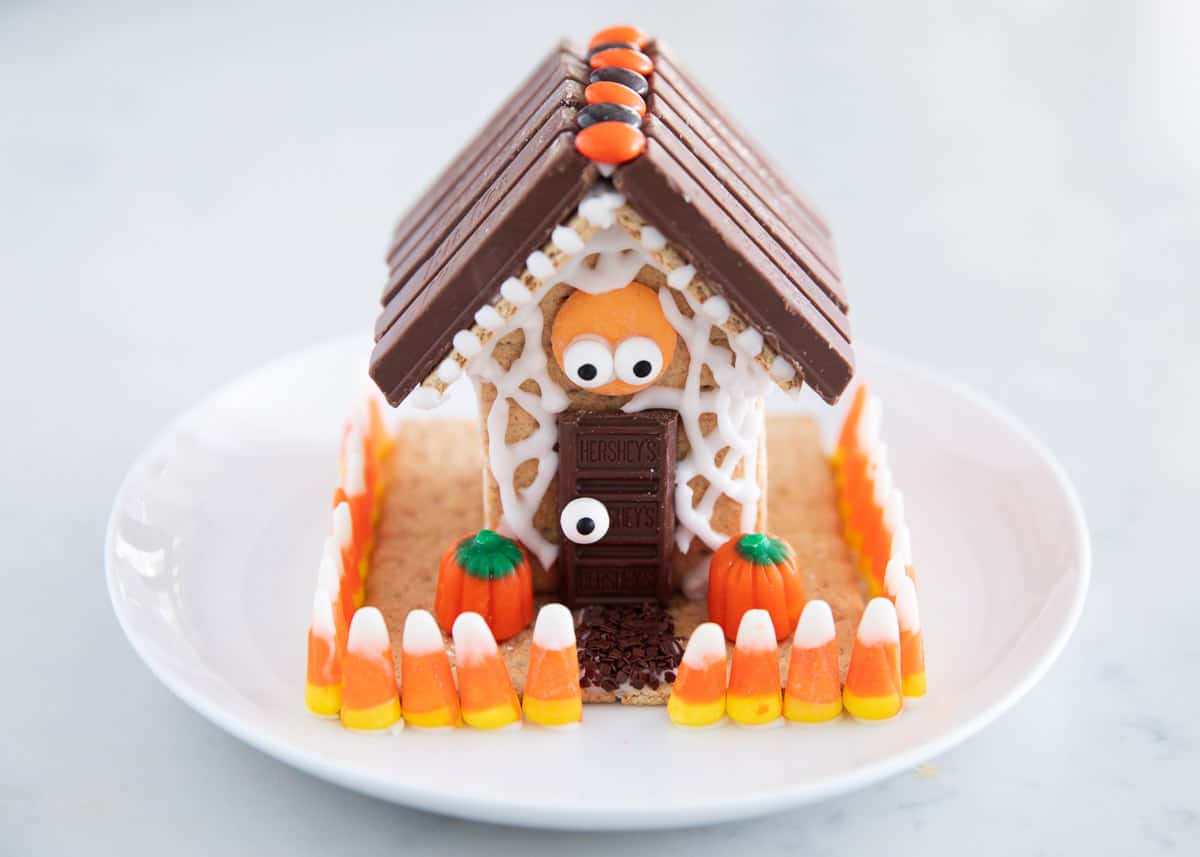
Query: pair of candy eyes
{"x":590,"y":362}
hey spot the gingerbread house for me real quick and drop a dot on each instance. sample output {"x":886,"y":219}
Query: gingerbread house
{"x":623,"y":276}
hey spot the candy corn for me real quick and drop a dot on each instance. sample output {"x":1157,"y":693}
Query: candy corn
{"x":329,"y":581}
{"x":351,"y":579}
{"x":370,"y":699}
{"x":370,"y":421}
{"x":877,"y":547}
{"x":754,"y":695}
{"x":484,"y":688}
{"x":698,"y":695}
{"x":428,"y":696}
{"x":912,"y":646}
{"x":813,"y":693}
{"x":355,"y":487}
{"x":323,"y":688}
{"x":846,"y":438}
{"x":552,"y":693}
{"x":873,"y":690}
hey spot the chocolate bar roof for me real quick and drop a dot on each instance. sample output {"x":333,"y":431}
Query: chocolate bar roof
{"x":700,"y":181}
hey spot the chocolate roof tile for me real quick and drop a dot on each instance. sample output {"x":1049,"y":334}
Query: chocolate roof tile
{"x":700,"y":181}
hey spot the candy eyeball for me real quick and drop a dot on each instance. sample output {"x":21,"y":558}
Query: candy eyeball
{"x":588,"y":362}
{"x":584,"y":520}
{"x":638,"y":360}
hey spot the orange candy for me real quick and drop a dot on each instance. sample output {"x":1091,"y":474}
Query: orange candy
{"x":485,"y":690}
{"x":610,"y":142}
{"x":553,"y":696}
{"x":610,"y":92}
{"x":873,"y":683}
{"x":813,"y":693}
{"x":620,"y":33}
{"x":370,"y":698}
{"x":629,"y":58}
{"x":428,"y":695}
{"x":754,"y":696}
{"x":698,"y":695}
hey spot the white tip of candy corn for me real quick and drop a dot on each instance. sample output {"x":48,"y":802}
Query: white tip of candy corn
{"x":893,"y":510}
{"x":878,"y":623}
{"x":354,"y":482}
{"x":895,"y":571}
{"x":869,"y":424}
{"x":755,"y":631}
{"x":343,"y":524}
{"x":368,"y":632}
{"x":473,"y":638}
{"x":421,"y":633}
{"x":329,"y":575}
{"x":706,"y":645}
{"x":881,"y":476}
{"x":906,"y":605}
{"x":322,"y":614}
{"x":902,"y":544}
{"x":554,"y":629}
{"x":815,"y":627}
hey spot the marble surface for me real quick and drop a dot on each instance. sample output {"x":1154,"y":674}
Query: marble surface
{"x":186,"y":192}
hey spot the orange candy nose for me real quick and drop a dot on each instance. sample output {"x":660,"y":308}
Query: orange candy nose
{"x":619,"y":33}
{"x":610,"y":142}
{"x":610,"y":92}
{"x":629,"y":58}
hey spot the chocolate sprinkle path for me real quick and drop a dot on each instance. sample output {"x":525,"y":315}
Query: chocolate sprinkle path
{"x":634,"y":645}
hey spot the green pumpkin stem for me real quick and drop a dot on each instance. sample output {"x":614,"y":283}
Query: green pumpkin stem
{"x":488,"y":555}
{"x":762,"y":549}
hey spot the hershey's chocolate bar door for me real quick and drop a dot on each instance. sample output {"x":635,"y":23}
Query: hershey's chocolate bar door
{"x":616,"y":489}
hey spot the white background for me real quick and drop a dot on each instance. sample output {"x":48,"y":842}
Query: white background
{"x":186,"y":192}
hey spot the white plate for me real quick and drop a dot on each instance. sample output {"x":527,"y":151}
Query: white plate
{"x":212,"y":550}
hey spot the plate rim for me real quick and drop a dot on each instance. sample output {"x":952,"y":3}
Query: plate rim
{"x":698,"y":812}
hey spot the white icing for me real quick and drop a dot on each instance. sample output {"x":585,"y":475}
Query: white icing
{"x":515,"y":292}
{"x":782,"y":368}
{"x":343,"y":525}
{"x":540,"y":265}
{"x":322,"y":615}
{"x":605,"y":170}
{"x":907,"y":614}
{"x":756,"y":632}
{"x":681,"y":277}
{"x":707,"y":644}
{"x":566,"y":239}
{"x":473,"y":640}
{"x":815,"y":628}
{"x":878,"y":624}
{"x":467,"y":344}
{"x":738,"y":409}
{"x":354,"y":479}
{"x":421,"y":634}
{"x":368,"y":633}
{"x":600,"y":208}
{"x":554,"y":629}
{"x":717,"y":309}
{"x":425,"y":398}
{"x":449,"y":370}
{"x":892,"y":575}
{"x":487,"y":317}
{"x":749,"y":341}
{"x":652,"y":239}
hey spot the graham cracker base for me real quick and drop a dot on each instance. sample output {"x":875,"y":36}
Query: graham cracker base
{"x":434,"y":496}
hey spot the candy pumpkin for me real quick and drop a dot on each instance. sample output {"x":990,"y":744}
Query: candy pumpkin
{"x":485,"y":573}
{"x":754,"y":570}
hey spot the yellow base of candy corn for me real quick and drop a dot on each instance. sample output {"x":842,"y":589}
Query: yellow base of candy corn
{"x":491,"y":718}
{"x":913,"y":685}
{"x":872,"y":707}
{"x":854,"y":539}
{"x":553,"y":712}
{"x":753,"y":710}
{"x":810,"y":712}
{"x":380,"y":716}
{"x":325,"y":700}
{"x":695,"y":713}
{"x":435,"y":719}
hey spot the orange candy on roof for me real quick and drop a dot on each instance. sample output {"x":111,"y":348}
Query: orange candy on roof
{"x":620,"y":33}
{"x":610,"y":142}
{"x":634,"y":60}
{"x":610,"y":92}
